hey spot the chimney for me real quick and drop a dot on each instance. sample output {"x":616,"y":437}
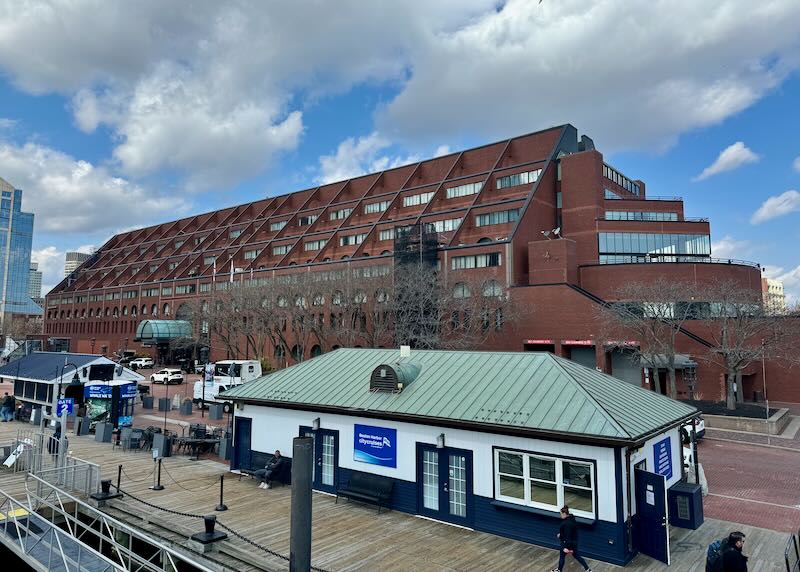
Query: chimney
{"x":405,"y":351}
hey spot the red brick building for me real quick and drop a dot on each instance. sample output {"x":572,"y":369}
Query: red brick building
{"x":541,"y":213}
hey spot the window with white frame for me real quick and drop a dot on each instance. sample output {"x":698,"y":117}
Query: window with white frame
{"x":306,"y":220}
{"x":525,"y":178}
{"x":464,"y":190}
{"x":340,"y":214}
{"x":281,"y":249}
{"x":209,"y":260}
{"x":420,"y":199}
{"x":445,"y":225}
{"x":252,"y":254}
{"x":545,"y":482}
{"x":376,"y":207}
{"x":352,"y":239}
{"x":273,"y":226}
{"x":497,"y":217}
{"x":235,"y":233}
{"x":476,"y":261}
{"x":314,"y":244}
{"x":386,"y":234}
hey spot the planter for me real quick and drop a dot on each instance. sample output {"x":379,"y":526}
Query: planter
{"x":772,"y":426}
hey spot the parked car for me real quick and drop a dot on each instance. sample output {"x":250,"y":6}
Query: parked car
{"x":140,"y":362}
{"x":699,"y":427}
{"x":167,"y":376}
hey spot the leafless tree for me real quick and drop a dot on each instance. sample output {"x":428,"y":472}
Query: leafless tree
{"x":22,"y":326}
{"x":744,"y":333}
{"x":653,"y":313}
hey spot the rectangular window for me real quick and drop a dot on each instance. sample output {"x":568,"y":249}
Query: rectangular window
{"x":306,"y":220}
{"x":166,"y":291}
{"x":173,"y":265}
{"x":420,"y":199}
{"x":464,"y":190}
{"x":199,"y":239}
{"x":275,"y":226}
{"x":252,"y":254}
{"x":153,"y":267}
{"x":641,"y":216}
{"x":185,"y":289}
{"x":150,"y":292}
{"x":376,"y":207}
{"x":444,"y":225}
{"x":526,"y":178}
{"x":209,"y":260}
{"x":179,"y":243}
{"x":386,"y":234}
{"x":613,"y":175}
{"x":205,"y":287}
{"x":281,"y":249}
{"x":235,"y":233}
{"x":636,"y":247}
{"x":315,"y":244}
{"x":340,"y":214}
{"x":545,"y":482}
{"x":476,"y":261}
{"x":498,"y":217}
{"x":352,"y":239}
{"x":130,"y":294}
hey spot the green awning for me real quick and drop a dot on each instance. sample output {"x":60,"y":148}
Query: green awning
{"x":156,"y":331}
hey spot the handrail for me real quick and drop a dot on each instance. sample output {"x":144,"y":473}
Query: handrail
{"x":54,"y":500}
{"x":678,"y":259}
{"x":661,"y":198}
{"x":792,"y":543}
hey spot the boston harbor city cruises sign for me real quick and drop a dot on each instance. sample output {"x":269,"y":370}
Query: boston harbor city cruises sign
{"x":375,"y":445}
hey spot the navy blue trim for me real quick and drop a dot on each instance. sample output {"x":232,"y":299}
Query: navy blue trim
{"x":539,"y":511}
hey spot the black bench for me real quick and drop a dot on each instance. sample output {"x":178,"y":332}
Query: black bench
{"x":259,"y":461}
{"x":367,"y":487}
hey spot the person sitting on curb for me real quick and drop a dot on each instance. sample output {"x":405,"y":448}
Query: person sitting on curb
{"x":272,"y":468}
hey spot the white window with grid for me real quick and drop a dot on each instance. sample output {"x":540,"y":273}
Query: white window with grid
{"x":314,"y":244}
{"x":252,"y":254}
{"x":464,"y":190}
{"x":386,"y":234}
{"x":340,"y":214}
{"x":526,"y":178}
{"x":281,"y":249}
{"x":430,"y":479}
{"x":376,"y":207}
{"x":352,"y":239}
{"x":274,"y":226}
{"x":457,"y":485}
{"x":447,"y":225}
{"x":420,"y":199}
{"x":328,"y":459}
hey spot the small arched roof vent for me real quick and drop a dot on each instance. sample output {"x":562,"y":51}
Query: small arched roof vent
{"x":393,"y":378}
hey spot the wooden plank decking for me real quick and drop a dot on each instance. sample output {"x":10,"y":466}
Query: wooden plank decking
{"x":349,"y":536}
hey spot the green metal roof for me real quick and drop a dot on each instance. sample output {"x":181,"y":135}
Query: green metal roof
{"x":163,"y":330}
{"x":528,"y":391}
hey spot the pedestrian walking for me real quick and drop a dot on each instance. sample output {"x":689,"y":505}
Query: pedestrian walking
{"x":7,"y":410}
{"x":568,"y":537}
{"x":732,"y":558}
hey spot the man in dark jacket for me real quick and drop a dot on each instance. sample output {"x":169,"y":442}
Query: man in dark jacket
{"x":568,"y":536}
{"x":270,"y":470}
{"x":732,"y":558}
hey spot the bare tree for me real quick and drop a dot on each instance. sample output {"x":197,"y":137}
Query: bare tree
{"x":654,"y":314}
{"x":743,"y":333}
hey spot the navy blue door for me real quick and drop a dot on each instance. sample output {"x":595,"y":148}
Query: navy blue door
{"x":444,"y":484}
{"x":326,"y":458}
{"x":650,"y":529}
{"x":242,"y":430}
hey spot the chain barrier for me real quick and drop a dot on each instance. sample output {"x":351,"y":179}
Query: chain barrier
{"x":139,"y":480}
{"x":219,"y":524}
{"x":213,"y":484}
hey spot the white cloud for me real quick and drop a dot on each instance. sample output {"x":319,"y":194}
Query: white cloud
{"x":355,"y":157}
{"x":796,"y":164}
{"x":771,"y":271}
{"x":51,"y":265}
{"x":441,"y":151}
{"x":729,"y":247}
{"x":791,"y":284}
{"x":777,"y":206}
{"x":6,"y":123}
{"x":730,"y":158}
{"x":70,"y":196}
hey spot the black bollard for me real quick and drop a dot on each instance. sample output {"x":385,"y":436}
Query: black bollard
{"x":221,"y":506}
{"x":210,"y":535}
{"x":119,"y":476}
{"x":158,"y":486}
{"x":105,"y":486}
{"x":300,"y":526}
{"x":105,"y":492}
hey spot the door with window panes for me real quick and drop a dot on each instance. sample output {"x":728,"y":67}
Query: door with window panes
{"x":545,"y":482}
{"x":444,"y":478}
{"x":326,"y":458}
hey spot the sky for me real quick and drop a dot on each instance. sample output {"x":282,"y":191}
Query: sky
{"x":117,"y":115}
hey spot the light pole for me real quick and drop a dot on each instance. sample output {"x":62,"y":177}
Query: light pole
{"x":764,"y":381}
{"x":76,"y":381}
{"x":92,"y":341}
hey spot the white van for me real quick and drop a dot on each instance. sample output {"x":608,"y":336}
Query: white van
{"x":227,"y":373}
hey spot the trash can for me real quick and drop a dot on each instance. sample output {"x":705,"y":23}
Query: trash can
{"x":215,"y":411}
{"x":147,"y":401}
{"x":225,"y":447}
{"x":186,"y":407}
{"x":164,"y":404}
{"x":685,"y":505}
{"x":758,"y":396}
{"x":102,"y":432}
{"x":83,"y":426}
{"x":162,"y":444}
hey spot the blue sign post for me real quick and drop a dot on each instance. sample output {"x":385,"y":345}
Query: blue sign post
{"x":662,"y":458}
{"x":375,"y":445}
{"x":65,"y":405}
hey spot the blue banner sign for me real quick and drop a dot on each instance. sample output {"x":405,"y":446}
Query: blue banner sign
{"x":127,"y":391}
{"x":65,"y":406}
{"x":375,"y":445}
{"x":662,"y":458}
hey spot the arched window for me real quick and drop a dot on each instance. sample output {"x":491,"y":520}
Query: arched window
{"x":108,"y":311}
{"x":293,"y":263}
{"x":492,"y":289}
{"x":91,"y":312}
{"x":279,"y":352}
{"x":326,"y":259}
{"x":183,"y":312}
{"x":297,"y":353}
{"x":83,"y":313}
{"x":316,"y":351}
{"x":319,"y":299}
{"x":484,"y":240}
{"x":124,"y":310}
{"x":134,"y":310}
{"x":365,"y":254}
{"x":144,"y":309}
{"x":154,"y":310}
{"x":98,"y":313}
{"x":345,"y":257}
{"x":381,"y":296}
{"x":337,"y":297}
{"x":166,"y":309}
{"x":360,"y":297}
{"x":282,"y":303}
{"x":461,"y":290}
{"x":300,"y":302}
{"x":335,"y":348}
{"x":386,"y":252}
{"x":115,"y":312}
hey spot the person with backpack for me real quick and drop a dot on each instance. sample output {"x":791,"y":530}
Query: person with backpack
{"x":568,"y":536}
{"x":725,"y":555}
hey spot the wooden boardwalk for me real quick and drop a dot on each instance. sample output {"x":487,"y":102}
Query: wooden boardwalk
{"x":347,"y":536}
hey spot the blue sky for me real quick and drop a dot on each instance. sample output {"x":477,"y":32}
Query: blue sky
{"x":159,"y":113}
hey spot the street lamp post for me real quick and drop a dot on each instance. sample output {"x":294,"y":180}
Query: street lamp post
{"x":92,"y":341}
{"x":62,"y":439}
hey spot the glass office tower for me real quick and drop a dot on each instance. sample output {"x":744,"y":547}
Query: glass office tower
{"x":16,"y":239}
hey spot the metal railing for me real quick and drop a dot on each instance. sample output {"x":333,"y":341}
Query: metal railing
{"x":76,"y":475}
{"x":675,"y":258}
{"x":42,"y":544}
{"x":791,"y":553}
{"x":129,"y":547}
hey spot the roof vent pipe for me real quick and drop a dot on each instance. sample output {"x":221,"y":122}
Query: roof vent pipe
{"x":405,"y":351}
